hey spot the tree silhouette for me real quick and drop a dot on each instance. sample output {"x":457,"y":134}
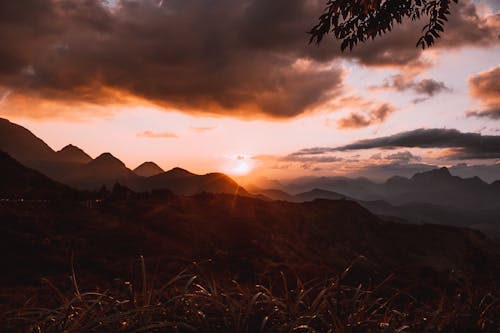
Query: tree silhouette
{"x":354,"y":21}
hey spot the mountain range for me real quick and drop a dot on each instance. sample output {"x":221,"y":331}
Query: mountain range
{"x":434,"y":196}
{"x":73,"y":167}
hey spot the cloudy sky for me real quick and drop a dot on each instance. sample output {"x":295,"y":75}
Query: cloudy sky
{"x":234,"y":86}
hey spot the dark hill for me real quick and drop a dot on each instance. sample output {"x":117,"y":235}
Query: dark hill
{"x":148,"y":169}
{"x":73,"y":154}
{"x":23,"y":145}
{"x":104,"y":170}
{"x":19,"y":182}
{"x":318,"y":194}
{"x":245,"y":237}
{"x":183,"y":182}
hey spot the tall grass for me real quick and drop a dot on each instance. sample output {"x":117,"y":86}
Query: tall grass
{"x":195,"y":301}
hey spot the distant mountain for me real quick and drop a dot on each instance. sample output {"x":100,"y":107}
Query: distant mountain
{"x":104,"y":170}
{"x":319,"y":194}
{"x":273,"y":194}
{"x":23,"y":145}
{"x":73,"y":154}
{"x":437,"y":187}
{"x":20,"y":182}
{"x":148,"y":169}
{"x":183,"y":182}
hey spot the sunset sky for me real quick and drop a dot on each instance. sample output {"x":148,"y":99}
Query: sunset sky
{"x":234,"y":86}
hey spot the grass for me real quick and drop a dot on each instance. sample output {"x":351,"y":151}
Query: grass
{"x":194,"y":300}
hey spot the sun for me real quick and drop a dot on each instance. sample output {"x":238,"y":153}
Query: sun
{"x":242,"y":168}
{"x":239,"y":164}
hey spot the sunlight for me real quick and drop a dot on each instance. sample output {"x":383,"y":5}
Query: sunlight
{"x":242,"y":168}
{"x":238,"y":165}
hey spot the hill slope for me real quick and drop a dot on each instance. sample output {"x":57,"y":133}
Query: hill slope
{"x":148,"y":169}
{"x":20,"y":182}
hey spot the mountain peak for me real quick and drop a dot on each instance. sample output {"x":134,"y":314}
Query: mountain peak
{"x":106,"y":159}
{"x":71,"y":153}
{"x":179,"y":172}
{"x":440,"y":173}
{"x":148,"y":169}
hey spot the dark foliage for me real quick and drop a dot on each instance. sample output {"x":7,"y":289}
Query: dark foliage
{"x":354,"y":21}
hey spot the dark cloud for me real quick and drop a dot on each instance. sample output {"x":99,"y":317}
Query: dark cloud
{"x":304,"y":158}
{"x":245,"y":58}
{"x":154,"y":135}
{"x":486,"y":88}
{"x":358,"y":120}
{"x":403,"y":157}
{"x":461,"y":145}
{"x":223,"y":57}
{"x":429,"y":87}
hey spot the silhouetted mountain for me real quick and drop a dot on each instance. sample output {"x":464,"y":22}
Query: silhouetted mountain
{"x":19,"y":182}
{"x":183,"y":182}
{"x":319,"y":194}
{"x":435,"y":196}
{"x":437,"y":187}
{"x":273,"y":194}
{"x":148,"y":169}
{"x":104,"y":170}
{"x":23,"y":145}
{"x":31,"y":151}
{"x":73,"y":154}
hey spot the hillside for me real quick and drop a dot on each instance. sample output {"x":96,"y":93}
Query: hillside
{"x":183,"y":182}
{"x":148,"y":169}
{"x":19,"y":182}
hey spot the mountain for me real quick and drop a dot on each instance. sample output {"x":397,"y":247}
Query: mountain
{"x":439,"y":187}
{"x":19,"y":182}
{"x":104,"y":170}
{"x":273,"y":194}
{"x":33,"y":152}
{"x":434,"y":196}
{"x":148,"y":169}
{"x":23,"y":145}
{"x":183,"y":182}
{"x":319,"y":194}
{"x":73,"y":154}
{"x":436,"y":187}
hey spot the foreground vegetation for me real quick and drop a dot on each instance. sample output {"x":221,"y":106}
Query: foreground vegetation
{"x":196,"y":301}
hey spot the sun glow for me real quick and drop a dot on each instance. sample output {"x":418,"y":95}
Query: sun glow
{"x":242,"y":168}
{"x":239,"y":165}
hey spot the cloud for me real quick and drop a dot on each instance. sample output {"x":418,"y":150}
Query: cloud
{"x":403,"y":157}
{"x":358,"y":120}
{"x":486,"y":88}
{"x":311,"y":158}
{"x":202,"y":129}
{"x":399,"y":82}
{"x":243,"y":58}
{"x":466,"y":27}
{"x":239,"y":58}
{"x":153,"y":135}
{"x":460,"y":145}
